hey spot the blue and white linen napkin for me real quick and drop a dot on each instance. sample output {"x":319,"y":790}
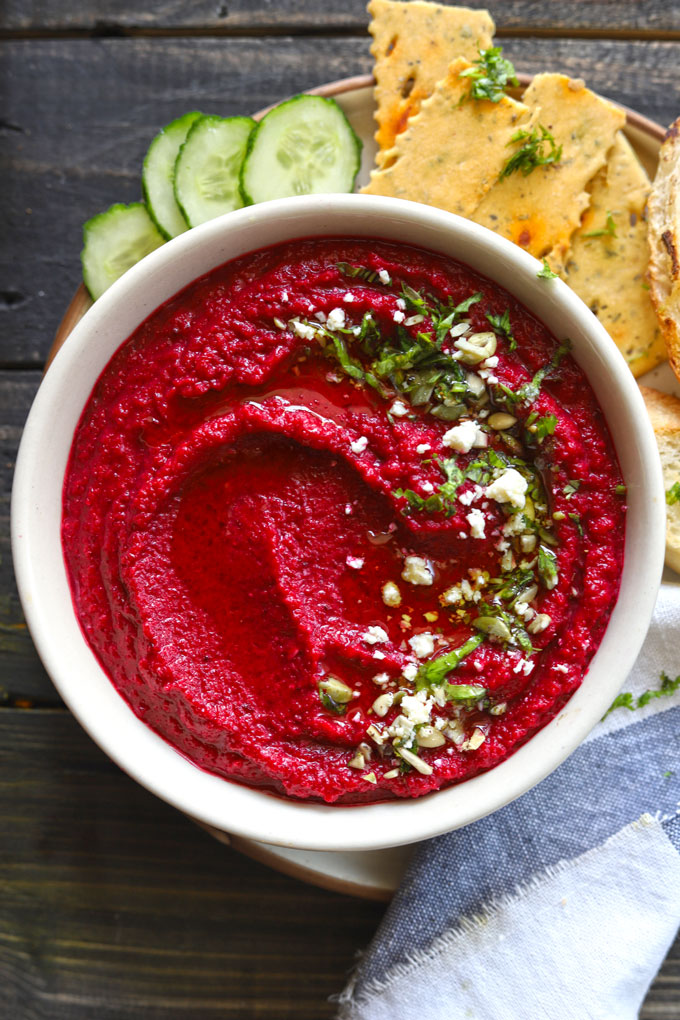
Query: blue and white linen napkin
{"x":560,"y":906}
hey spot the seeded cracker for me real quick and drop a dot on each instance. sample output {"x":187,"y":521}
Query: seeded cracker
{"x":664,"y":243}
{"x":540,"y":211}
{"x":453,"y":150}
{"x":413,"y":45}
{"x":607,"y":263}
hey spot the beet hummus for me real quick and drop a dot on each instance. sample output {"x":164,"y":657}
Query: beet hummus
{"x":344,"y":521}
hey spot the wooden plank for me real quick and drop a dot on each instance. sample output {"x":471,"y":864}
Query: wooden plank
{"x":22,"y":676}
{"x":77,"y":146}
{"x":116,"y":906}
{"x":554,"y":16}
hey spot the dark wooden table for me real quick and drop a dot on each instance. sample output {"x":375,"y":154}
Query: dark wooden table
{"x":112,"y":905}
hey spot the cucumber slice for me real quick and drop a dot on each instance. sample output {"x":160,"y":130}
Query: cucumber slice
{"x":208,"y":167}
{"x":158,"y":176}
{"x":114,"y":241}
{"x":304,"y":146}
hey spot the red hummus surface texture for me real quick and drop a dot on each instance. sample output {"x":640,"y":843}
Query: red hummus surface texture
{"x":305,"y":547}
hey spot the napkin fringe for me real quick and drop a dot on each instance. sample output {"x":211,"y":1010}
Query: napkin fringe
{"x":467,"y":926}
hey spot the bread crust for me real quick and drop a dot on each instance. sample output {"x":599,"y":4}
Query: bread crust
{"x":664,"y":414}
{"x":663,"y":218}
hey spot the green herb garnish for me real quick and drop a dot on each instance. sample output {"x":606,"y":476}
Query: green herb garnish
{"x":501,"y":324}
{"x":608,"y":231}
{"x":491,"y":75}
{"x":620,"y":490}
{"x":538,"y":149}
{"x":673,"y":494}
{"x":465,"y":692}
{"x":547,"y":567}
{"x":357,"y":272}
{"x":545,"y":427}
{"x":530,"y":390}
{"x":626,"y":699}
{"x":546,"y":273}
{"x":434,"y":672}
{"x":572,"y":486}
{"x":576,"y":518}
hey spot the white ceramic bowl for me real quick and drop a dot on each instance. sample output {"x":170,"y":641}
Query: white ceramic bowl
{"x":43,"y":584}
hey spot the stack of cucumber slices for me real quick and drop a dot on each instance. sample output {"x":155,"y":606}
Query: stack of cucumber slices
{"x":199,"y":167}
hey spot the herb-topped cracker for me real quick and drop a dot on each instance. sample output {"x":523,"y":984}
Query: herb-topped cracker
{"x":413,"y":45}
{"x":542,"y":193}
{"x":608,"y":259}
{"x":454,"y":149}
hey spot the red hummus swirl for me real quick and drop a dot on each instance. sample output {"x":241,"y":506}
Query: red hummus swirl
{"x":232,"y":514}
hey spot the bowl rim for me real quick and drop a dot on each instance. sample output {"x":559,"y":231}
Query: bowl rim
{"x":85,"y":687}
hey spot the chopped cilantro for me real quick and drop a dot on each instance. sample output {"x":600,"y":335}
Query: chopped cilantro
{"x":434,"y":672}
{"x":546,"y":273}
{"x":576,"y":518}
{"x":501,"y":324}
{"x":620,"y":490}
{"x":608,"y":231}
{"x":467,"y":304}
{"x":547,"y":567}
{"x":538,"y":149}
{"x":673,"y":494}
{"x":626,"y":699}
{"x":668,"y":774}
{"x":545,"y":427}
{"x":362,"y":272}
{"x":530,"y":390}
{"x":465,"y":692}
{"x":432,"y":503}
{"x":490,"y":75}
{"x":572,"y":486}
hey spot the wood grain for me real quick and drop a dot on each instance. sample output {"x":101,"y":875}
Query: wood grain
{"x":22,"y":677}
{"x":553,"y":16}
{"x":66,"y":161}
{"x":115,"y":905}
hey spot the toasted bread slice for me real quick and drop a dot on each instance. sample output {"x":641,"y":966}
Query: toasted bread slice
{"x":413,"y":45}
{"x":664,"y":414}
{"x":607,"y":263}
{"x":663,"y":218}
{"x":541,"y":210}
{"x":453,"y":150}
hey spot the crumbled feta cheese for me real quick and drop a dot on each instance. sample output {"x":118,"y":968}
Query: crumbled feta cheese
{"x":491,"y":362}
{"x":422,"y":645}
{"x":417,"y":571}
{"x":375,"y":636}
{"x":284,"y":297}
{"x":348,"y":298}
{"x":476,"y":521}
{"x":423,"y":448}
{"x":398,"y":316}
{"x":410,"y":671}
{"x":320,"y":316}
{"x":514,"y":525}
{"x":378,"y":654}
{"x":509,"y":487}
{"x":381,"y":679}
{"x":355,"y":562}
{"x":398,"y":408}
{"x":417,"y":708}
{"x":391,"y":595}
{"x":348,"y":509}
{"x":560,"y":667}
{"x":336,"y":319}
{"x":384,"y":277}
{"x":461,"y":437}
{"x":401,"y":303}
{"x":539,"y":624}
{"x":359,"y":445}
{"x":452,"y":596}
{"x":304,"y":331}
{"x":427,"y":487}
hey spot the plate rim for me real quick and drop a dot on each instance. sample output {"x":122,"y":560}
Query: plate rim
{"x":270,"y":855}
